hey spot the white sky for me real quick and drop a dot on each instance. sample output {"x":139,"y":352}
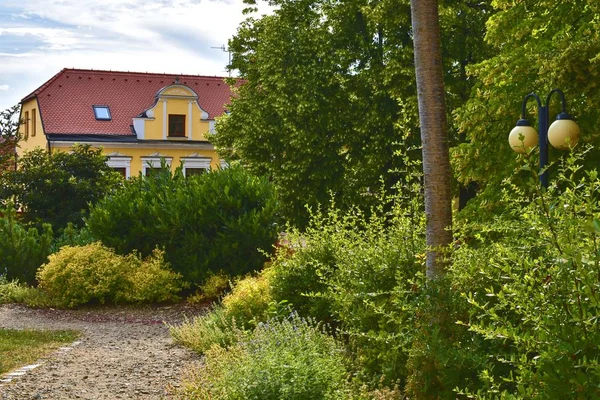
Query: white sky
{"x":38,"y":38}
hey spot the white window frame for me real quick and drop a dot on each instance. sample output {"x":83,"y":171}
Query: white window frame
{"x":120,"y":162}
{"x":154,"y":162}
{"x":195,"y":162}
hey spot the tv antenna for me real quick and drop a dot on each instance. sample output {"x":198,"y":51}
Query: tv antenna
{"x":225,"y":50}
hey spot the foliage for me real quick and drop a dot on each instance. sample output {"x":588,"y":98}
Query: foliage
{"x":530,"y":278}
{"x":357,"y":273}
{"x":536,"y":46}
{"x":22,"y":250}
{"x":289,"y":359}
{"x":72,"y":236}
{"x":22,"y":347}
{"x":205,"y":224}
{"x":95,"y":274}
{"x":327,"y":92}
{"x":58,"y":188}
{"x":214,"y":288}
{"x":205,"y":331}
{"x":9,"y":137}
{"x":248,"y":303}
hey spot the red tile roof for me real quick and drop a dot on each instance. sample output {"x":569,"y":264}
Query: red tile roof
{"x":66,"y":100}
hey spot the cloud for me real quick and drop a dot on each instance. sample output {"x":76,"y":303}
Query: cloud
{"x":40,"y":37}
{"x":4,"y":87}
{"x":48,"y":38}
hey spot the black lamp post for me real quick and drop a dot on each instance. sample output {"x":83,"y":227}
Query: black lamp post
{"x":563,"y":134}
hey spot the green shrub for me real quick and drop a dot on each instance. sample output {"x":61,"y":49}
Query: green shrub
{"x":215,"y":286}
{"x":201,"y":333}
{"x":72,"y":236}
{"x":357,"y":273}
{"x":208,"y":223}
{"x":22,"y":250}
{"x":95,"y":274}
{"x":58,"y":187}
{"x":290,"y":359}
{"x":249,"y":301}
{"x":530,"y":278}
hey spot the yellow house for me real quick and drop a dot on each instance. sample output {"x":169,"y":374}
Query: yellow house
{"x":137,"y":118}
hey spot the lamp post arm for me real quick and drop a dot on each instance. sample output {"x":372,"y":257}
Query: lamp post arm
{"x":526,"y":99}
{"x":563,"y":102}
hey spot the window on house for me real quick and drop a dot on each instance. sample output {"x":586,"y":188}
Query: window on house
{"x":102,"y":113}
{"x":26,"y":124}
{"x":122,"y":171}
{"x":120,"y":163}
{"x":176,"y":125}
{"x":194,"y":171}
{"x":151,"y":171}
{"x":33,"y":122}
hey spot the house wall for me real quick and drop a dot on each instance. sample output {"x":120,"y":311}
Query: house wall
{"x":138,"y":151}
{"x":28,"y":141}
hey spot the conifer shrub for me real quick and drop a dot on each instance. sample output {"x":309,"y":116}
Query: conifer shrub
{"x":94,"y":274}
{"x":22,"y":250}
{"x":207,"y":223}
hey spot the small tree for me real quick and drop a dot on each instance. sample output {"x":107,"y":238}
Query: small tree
{"x":58,"y":188}
{"x":9,"y":136}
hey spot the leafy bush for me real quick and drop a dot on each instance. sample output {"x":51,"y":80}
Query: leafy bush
{"x":208,"y":223}
{"x":215,"y":286}
{"x":95,"y":274}
{"x":530,"y":277}
{"x":22,"y":250}
{"x":249,"y":301}
{"x":289,"y":359}
{"x":16,"y":292}
{"x":357,"y":273}
{"x":73,"y":236}
{"x":205,"y":331}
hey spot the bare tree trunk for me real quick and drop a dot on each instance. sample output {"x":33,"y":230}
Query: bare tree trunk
{"x":434,"y":136}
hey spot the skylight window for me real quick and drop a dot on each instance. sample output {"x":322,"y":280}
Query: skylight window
{"x":102,"y":113}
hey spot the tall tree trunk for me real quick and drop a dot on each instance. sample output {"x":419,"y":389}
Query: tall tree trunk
{"x":434,"y":136}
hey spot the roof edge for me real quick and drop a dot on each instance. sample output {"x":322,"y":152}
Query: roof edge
{"x":43,"y":86}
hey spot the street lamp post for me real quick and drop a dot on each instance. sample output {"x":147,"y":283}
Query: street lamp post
{"x":563,"y":134}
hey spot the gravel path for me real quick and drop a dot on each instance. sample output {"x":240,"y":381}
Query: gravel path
{"x":124,"y":353}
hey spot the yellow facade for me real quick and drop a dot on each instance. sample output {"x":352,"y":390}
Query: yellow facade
{"x":154,"y":141}
{"x":32,"y":130}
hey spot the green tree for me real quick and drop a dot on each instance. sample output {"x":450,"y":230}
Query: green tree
{"x":317,"y":112}
{"x":328,"y":95}
{"x":9,"y":136}
{"x":58,"y":188}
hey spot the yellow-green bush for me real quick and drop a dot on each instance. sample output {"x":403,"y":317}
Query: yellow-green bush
{"x":249,"y":300}
{"x":214,"y":288}
{"x":93,"y":273}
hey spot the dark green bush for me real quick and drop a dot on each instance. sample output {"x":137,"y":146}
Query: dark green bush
{"x":22,"y":250}
{"x":73,"y":236}
{"x":206,"y":224}
{"x":58,"y":187}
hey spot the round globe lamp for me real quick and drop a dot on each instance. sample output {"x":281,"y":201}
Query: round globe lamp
{"x":523,"y":137}
{"x":563,"y":134}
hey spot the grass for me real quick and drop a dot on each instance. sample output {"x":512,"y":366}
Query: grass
{"x":22,"y":347}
